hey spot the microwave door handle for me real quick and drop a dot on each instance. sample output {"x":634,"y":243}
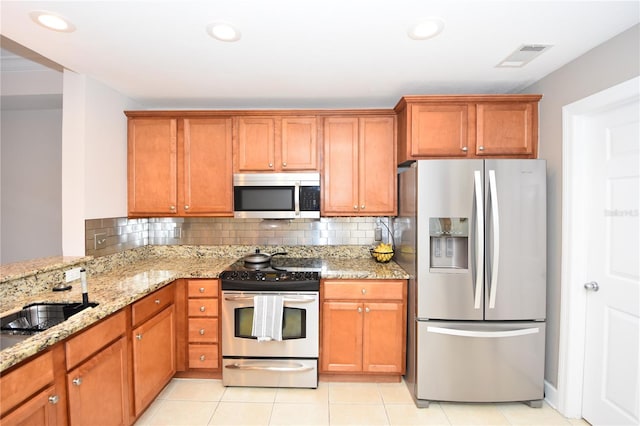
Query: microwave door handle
{"x":296,"y":198}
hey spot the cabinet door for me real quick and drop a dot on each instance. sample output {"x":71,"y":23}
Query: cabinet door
{"x":341,"y":337}
{"x":440,"y":130}
{"x":507,"y":129}
{"x":340,"y":174}
{"x":299,"y":145}
{"x":152,"y":160}
{"x":39,"y":410}
{"x":99,"y":388}
{"x":255,"y":145}
{"x":383,"y":342}
{"x":377,"y":166}
{"x":154,"y":357}
{"x":207,"y":167}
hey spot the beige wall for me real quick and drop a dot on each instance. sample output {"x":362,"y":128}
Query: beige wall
{"x":613,"y":62}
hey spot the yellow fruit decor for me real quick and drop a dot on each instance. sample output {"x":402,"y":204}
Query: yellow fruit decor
{"x":383,"y":252}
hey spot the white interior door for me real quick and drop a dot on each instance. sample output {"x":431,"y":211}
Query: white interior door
{"x":611,"y":373}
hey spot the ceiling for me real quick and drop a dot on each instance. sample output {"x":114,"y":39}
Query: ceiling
{"x":310,"y":53}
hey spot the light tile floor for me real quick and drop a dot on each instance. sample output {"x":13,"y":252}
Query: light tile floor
{"x":196,"y":402}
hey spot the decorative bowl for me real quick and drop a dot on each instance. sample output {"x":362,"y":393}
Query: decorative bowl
{"x":382,"y":257}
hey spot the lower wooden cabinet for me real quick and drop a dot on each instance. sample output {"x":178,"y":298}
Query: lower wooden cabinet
{"x":201,"y":344}
{"x":98,"y":387}
{"x":40,"y":409}
{"x":31,"y":394}
{"x":154,"y":357}
{"x":363,"y":326}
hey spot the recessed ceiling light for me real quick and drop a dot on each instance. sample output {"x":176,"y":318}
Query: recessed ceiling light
{"x":426,"y":29}
{"x":52,"y":21}
{"x":223,"y":31}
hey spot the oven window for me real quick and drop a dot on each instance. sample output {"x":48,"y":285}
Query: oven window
{"x":294,"y":323}
{"x":263,"y":198}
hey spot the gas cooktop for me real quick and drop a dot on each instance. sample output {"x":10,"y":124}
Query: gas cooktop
{"x":281,"y":274}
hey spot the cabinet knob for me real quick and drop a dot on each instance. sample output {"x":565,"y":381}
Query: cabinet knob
{"x":364,"y":291}
{"x":201,"y":289}
{"x":77,"y":381}
{"x":202,"y":358}
{"x":186,"y":207}
{"x":202,"y":308}
{"x":202,"y":331}
{"x":53,"y":399}
{"x":271,"y":165}
{"x":284,"y":164}
{"x":139,"y":336}
{"x":172,"y":208}
{"x":362,"y":207}
{"x":465,"y":149}
{"x":355,"y":207}
{"x":367,"y":309}
{"x":157,"y":301}
{"x":360,"y":309}
{"x":481,"y":148}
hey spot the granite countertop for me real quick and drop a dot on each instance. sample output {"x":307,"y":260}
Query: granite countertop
{"x":121,"y":286}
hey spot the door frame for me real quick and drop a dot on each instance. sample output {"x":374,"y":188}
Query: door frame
{"x":575,"y":194}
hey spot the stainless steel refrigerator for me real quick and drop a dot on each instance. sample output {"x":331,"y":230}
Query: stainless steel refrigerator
{"x":472,"y":236}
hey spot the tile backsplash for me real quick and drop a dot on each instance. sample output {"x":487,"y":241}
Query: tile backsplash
{"x":113,"y":235}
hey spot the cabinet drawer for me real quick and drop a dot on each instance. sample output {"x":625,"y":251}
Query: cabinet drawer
{"x":203,"y":307}
{"x":152,"y":304}
{"x":203,"y":330}
{"x":202,"y":288}
{"x":364,"y":289}
{"x":203,"y":356}
{"x":89,"y":342}
{"x":24,"y":381}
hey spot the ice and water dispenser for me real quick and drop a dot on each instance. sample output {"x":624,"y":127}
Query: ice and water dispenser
{"x":449,"y":240}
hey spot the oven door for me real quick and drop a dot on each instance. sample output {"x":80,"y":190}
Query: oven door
{"x":300,"y":326}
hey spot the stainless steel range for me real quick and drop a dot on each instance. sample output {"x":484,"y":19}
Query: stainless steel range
{"x":291,"y":358}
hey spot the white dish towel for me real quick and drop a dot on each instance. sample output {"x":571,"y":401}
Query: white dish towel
{"x":267,"y":317}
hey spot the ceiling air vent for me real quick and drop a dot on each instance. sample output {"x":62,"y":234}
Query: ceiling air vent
{"x":523,"y":55}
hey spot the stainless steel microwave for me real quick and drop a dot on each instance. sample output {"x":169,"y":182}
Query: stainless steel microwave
{"x":276,"y":195}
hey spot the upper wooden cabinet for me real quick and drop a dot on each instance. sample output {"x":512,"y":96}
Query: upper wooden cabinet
{"x":268,"y":144}
{"x":152,"y":166}
{"x":359,"y":171}
{"x":467,"y":126}
{"x":180,"y":166}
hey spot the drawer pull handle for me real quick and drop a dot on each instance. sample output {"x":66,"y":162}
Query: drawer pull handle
{"x":157,"y":301}
{"x":202,"y":358}
{"x":139,"y":336}
{"x":201,"y":289}
{"x":202,"y":331}
{"x":77,"y":381}
{"x":53,"y":399}
{"x":202,"y":308}
{"x":364,"y":291}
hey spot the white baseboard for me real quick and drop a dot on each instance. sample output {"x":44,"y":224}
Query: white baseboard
{"x":550,"y":394}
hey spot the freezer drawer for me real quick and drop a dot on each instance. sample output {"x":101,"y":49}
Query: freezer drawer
{"x":480,"y":362}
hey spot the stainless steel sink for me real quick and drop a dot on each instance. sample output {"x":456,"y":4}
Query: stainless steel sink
{"x":34,"y":318}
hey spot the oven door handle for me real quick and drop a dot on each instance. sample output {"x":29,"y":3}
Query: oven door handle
{"x":287,"y":299}
{"x":298,"y":367}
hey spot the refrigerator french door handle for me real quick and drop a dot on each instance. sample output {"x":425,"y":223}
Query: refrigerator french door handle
{"x":490,"y":334}
{"x":479,"y":243}
{"x":495,"y":218}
